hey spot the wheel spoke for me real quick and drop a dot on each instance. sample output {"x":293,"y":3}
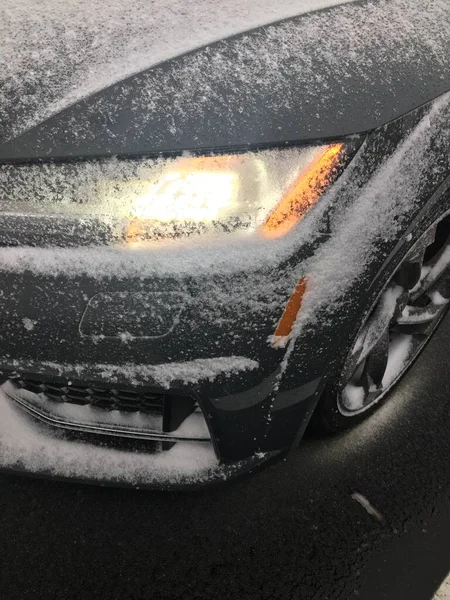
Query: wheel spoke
{"x":376,"y":362}
{"x":417,"y":253}
{"x":408,"y":276}
{"x":418,"y":315}
{"x":439,"y":264}
{"x":378,"y":323}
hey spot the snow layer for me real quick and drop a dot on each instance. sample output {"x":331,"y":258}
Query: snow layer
{"x":443,"y":592}
{"x":360,"y":63}
{"x":163,"y":374}
{"x":355,"y":396}
{"x":378,"y":322}
{"x":90,"y":415}
{"x":194,"y":426}
{"x":23,"y":442}
{"x":55,"y":52}
{"x":367,"y":213}
{"x":188,"y":372}
{"x":199,"y":258}
{"x":398,"y":357}
{"x":440,"y":266}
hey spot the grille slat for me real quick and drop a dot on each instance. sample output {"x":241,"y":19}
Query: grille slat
{"x":107,"y":399}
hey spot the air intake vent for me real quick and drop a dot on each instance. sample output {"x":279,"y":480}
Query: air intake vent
{"x":128,"y":412}
{"x":106,"y":398}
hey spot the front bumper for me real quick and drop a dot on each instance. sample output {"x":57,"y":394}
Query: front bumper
{"x":205,"y":344}
{"x":30,"y":447}
{"x":243,"y":431}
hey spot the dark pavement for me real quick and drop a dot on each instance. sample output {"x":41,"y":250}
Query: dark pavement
{"x":292,"y":531}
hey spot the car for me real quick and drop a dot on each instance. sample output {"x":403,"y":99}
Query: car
{"x":220,"y":226}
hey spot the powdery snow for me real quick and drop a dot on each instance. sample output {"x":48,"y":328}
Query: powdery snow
{"x":56,"y":52}
{"x":163,"y":374}
{"x":188,"y":372}
{"x":294,"y":61}
{"x":200,"y":257}
{"x":437,"y":299}
{"x":194,"y":426}
{"x":399,"y":353}
{"x":90,"y":415}
{"x":367,"y":214}
{"x":371,"y":214}
{"x":439,"y":267}
{"x":413,"y":314}
{"x":355,"y":396}
{"x":28,"y":324}
{"x":24,"y":442}
{"x":443,"y":592}
{"x":378,"y":322}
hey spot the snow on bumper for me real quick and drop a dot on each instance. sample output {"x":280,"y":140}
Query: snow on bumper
{"x":29,"y":446}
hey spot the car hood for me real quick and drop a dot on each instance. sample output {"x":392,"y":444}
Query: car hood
{"x":53,"y":53}
{"x":67,"y":86}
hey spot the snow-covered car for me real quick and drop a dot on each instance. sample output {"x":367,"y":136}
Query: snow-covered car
{"x":219,"y":223}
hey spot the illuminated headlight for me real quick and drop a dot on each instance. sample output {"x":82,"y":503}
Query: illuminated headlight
{"x":266,"y":192}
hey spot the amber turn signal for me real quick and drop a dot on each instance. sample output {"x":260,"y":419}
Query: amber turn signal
{"x":304,"y":193}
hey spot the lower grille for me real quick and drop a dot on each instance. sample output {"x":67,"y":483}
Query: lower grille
{"x":109,"y":399}
{"x":127,"y":412}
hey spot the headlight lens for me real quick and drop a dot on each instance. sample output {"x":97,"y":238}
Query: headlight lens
{"x":267,"y":192}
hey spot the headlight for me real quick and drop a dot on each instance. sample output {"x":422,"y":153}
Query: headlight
{"x":266,"y":192}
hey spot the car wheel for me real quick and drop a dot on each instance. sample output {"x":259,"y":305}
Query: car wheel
{"x":410,"y":306}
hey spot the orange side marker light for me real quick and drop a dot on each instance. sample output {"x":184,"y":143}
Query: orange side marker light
{"x":289,"y":315}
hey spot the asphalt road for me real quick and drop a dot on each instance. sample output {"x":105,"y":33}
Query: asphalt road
{"x":290,"y":532}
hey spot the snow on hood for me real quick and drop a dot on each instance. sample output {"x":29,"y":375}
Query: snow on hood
{"x":53,"y":53}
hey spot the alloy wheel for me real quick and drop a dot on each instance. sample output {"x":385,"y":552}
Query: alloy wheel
{"x":399,"y":325}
